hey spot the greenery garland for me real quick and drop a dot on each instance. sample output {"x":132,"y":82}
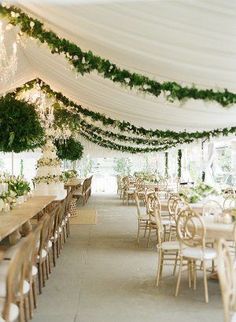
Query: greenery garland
{"x":85,"y":62}
{"x":179,"y":163}
{"x":177,"y":137}
{"x":20,"y":129}
{"x":115,"y":146}
{"x":166,"y":164}
{"x":75,"y":123}
{"x":69,"y":149}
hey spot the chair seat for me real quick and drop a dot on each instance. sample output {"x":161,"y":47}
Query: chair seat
{"x":130,"y":192}
{"x":54,"y":238}
{"x":49,"y":244}
{"x":34,"y":271}
{"x":170,"y":245}
{"x":43,"y":254}
{"x":13,"y":312}
{"x":197,"y":253}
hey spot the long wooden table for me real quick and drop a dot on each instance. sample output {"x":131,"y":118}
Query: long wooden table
{"x":12,"y":221}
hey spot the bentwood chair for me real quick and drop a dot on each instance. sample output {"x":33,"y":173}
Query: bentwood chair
{"x":42,"y":258}
{"x":143,"y":220}
{"x":230,"y":202}
{"x":14,"y":287}
{"x":166,"y":250}
{"x":227,"y":276}
{"x":191,"y":233}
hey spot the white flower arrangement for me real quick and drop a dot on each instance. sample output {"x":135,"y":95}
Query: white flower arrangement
{"x":48,"y":179}
{"x":48,"y":162}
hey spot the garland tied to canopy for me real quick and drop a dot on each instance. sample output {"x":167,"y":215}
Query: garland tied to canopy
{"x":77,"y":116}
{"x":67,"y":113}
{"x":86,"y":62}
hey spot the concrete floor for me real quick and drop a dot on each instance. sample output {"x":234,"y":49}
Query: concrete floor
{"x":102,"y":276}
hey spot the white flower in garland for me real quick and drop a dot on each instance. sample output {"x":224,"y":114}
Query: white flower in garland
{"x":32,"y":24}
{"x":83,"y":60}
{"x":127,"y":80}
{"x":75,"y":57}
{"x":145,"y":86}
{"x":13,"y":14}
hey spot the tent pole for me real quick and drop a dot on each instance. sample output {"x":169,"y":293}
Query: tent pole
{"x":12,"y":162}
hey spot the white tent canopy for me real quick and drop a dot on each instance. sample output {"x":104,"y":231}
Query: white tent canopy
{"x":191,"y":42}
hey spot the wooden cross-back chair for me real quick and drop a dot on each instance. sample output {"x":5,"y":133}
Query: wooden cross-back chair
{"x":14,"y":273}
{"x":191,"y":233}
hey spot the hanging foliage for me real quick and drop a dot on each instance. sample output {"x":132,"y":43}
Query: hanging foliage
{"x":80,"y":113}
{"x":86,"y":62}
{"x":20,"y":129}
{"x":179,"y":163}
{"x":69,"y":149}
{"x":166,"y":164}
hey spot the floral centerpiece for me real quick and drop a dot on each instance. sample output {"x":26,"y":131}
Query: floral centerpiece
{"x":70,"y":174}
{"x":146,"y":176}
{"x":197,"y":193}
{"x":18,"y":187}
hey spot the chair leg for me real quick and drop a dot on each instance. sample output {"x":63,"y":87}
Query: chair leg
{"x":138,"y":232}
{"x":205,"y":281}
{"x":43,"y":272}
{"x":189,"y":274}
{"x":149,"y":237}
{"x":179,"y":276}
{"x":34,"y":294}
{"x":175,"y":264}
{"x":54,"y":252}
{"x":40,"y":277}
{"x":194,"y":275}
{"x":159,"y":268}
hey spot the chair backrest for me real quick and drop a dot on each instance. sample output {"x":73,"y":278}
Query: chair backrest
{"x":68,"y":201}
{"x":230,"y":202}
{"x":212,"y":207}
{"x":229,"y":192}
{"x":137,"y":203}
{"x":16,"y":274}
{"x":153,"y":203}
{"x":45,"y":233}
{"x":172,"y":204}
{"x":178,"y":206}
{"x":154,"y":213}
{"x":227,"y":276}
{"x":190,"y":228}
{"x":162,"y":185}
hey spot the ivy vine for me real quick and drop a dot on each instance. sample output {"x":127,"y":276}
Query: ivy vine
{"x":123,"y":126}
{"x":179,"y":163}
{"x":86,"y":62}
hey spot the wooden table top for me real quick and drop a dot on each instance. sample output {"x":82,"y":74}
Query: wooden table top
{"x":12,"y":220}
{"x":73,"y":183}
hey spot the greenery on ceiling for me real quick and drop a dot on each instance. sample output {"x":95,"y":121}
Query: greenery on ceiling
{"x":110,"y":133}
{"x":86,"y":62}
{"x":20,"y":129}
{"x":79,"y":117}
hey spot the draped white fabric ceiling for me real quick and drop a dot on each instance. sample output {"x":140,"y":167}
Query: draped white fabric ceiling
{"x":184,"y":41}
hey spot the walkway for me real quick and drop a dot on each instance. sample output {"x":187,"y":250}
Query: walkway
{"x":102,"y":276}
